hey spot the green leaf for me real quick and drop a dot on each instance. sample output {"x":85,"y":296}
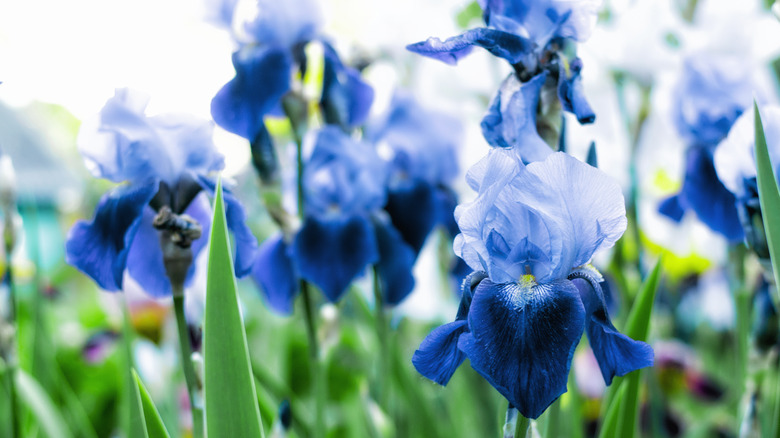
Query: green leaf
{"x":470,"y":13}
{"x":229,"y":389}
{"x":622,"y":413}
{"x":154,"y":424}
{"x":767,"y":194}
{"x":46,"y":414}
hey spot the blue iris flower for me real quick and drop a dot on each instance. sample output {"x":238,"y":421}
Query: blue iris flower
{"x":271,"y":41}
{"x":528,"y":236}
{"x":530,"y":36}
{"x":421,"y":146}
{"x":161,"y":161}
{"x":343,"y":231}
{"x":271,"y":44}
{"x":710,"y":96}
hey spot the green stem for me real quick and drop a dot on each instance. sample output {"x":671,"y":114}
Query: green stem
{"x":193,"y":383}
{"x":314,"y":356}
{"x":382,"y":336}
{"x":521,"y":429}
{"x":10,"y":360}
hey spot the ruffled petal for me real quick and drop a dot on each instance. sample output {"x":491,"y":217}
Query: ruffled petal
{"x":273,"y":271}
{"x":346,"y":98}
{"x":396,"y":260}
{"x":523,"y":338}
{"x":246,"y":242}
{"x":616,"y":353}
{"x":505,"y":45}
{"x":100,"y":248}
{"x":572,"y":95}
{"x":262,"y":78}
{"x":511,"y":118}
{"x":332,"y":252}
{"x":438,"y":356}
{"x":413,"y":210}
{"x":713,"y":203}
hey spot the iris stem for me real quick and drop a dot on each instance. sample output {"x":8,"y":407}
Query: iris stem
{"x":10,"y":360}
{"x":382,"y":336}
{"x":191,"y":378}
{"x":314,"y":356}
{"x":521,"y":429}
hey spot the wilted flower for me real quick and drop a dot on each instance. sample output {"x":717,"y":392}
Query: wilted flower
{"x":529,"y":235}
{"x":163,"y":162}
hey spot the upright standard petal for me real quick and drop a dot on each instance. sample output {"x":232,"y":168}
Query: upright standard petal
{"x":522,"y":339}
{"x":262,"y":78}
{"x":396,"y":260}
{"x":332,"y":252}
{"x":513,"y":48}
{"x":100,"y":248}
{"x":586,"y":205}
{"x":616,"y":353}
{"x":511,"y":118}
{"x":273,"y":271}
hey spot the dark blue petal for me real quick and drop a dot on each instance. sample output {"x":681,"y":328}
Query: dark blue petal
{"x":262,"y":78}
{"x":396,"y":260}
{"x":522,"y":340}
{"x":99,"y":248}
{"x":246,"y":243}
{"x":572,"y":95}
{"x":616,"y":353}
{"x":446,"y":201}
{"x":713,"y":203}
{"x":331,"y":252}
{"x":346,"y":98}
{"x":505,"y":45}
{"x":672,"y":208}
{"x":438,"y":356}
{"x":274,"y":272}
{"x":413,"y":210}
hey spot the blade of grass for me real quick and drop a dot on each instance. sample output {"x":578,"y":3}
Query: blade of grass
{"x":768,"y":194}
{"x":154,"y":424}
{"x":41,"y":406}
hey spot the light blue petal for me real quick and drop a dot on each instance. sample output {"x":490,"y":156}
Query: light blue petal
{"x":511,"y":118}
{"x":513,"y":48}
{"x":522,"y":339}
{"x":274,"y":272}
{"x":262,"y":78}
{"x":332,"y":253}
{"x":100,"y":248}
{"x":280,"y":23}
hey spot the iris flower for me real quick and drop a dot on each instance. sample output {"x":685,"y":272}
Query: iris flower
{"x":531,"y":36}
{"x":528,"y":236}
{"x":163,"y":161}
{"x":710,"y":95}
{"x":344,"y":230}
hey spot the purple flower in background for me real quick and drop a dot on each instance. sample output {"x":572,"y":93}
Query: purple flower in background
{"x":710,"y":95}
{"x":528,"y":236}
{"x":343,"y":231}
{"x":162,"y":162}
